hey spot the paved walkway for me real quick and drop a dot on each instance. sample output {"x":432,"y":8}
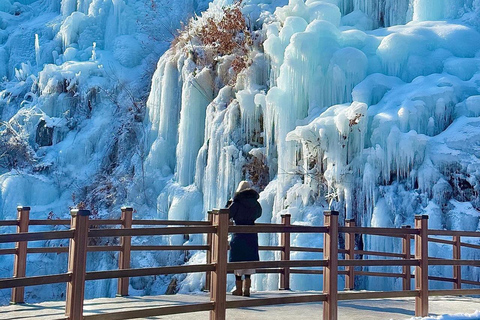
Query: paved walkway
{"x":378,"y":309}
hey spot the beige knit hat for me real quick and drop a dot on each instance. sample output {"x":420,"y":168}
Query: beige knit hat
{"x":243,"y":185}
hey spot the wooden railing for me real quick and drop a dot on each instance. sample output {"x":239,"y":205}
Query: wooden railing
{"x":216,"y":267}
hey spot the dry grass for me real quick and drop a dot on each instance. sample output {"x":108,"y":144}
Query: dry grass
{"x":257,"y":172}
{"x":15,"y":152}
{"x":226,"y":33}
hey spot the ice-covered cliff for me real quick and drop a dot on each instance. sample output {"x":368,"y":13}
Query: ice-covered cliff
{"x":371,"y":108}
{"x":74,"y":80}
{"x":368,"y":107}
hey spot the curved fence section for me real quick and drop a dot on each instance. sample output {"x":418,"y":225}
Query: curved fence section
{"x":337,"y":261}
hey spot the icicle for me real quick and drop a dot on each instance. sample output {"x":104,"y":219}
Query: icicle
{"x":428,"y":9}
{"x":94,"y":52}
{"x":68,"y":7}
{"x":70,"y":29}
{"x":37,"y":51}
{"x":196,"y":95}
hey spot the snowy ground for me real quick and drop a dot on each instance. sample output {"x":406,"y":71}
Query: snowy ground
{"x":379,"y":309}
{"x":459,"y":316}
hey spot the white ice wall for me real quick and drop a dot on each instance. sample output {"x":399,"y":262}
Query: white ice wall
{"x":82,"y":69}
{"x":349,"y":118}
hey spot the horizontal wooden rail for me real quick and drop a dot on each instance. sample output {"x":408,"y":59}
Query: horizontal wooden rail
{"x":470,"y":245}
{"x":389,"y":232}
{"x":453,"y":292}
{"x":65,"y":222}
{"x":440,"y":240}
{"x":7,"y":223}
{"x":36,"y":236}
{"x":306,"y":249}
{"x":270,"y":248}
{"x":379,"y":253}
{"x":276,"y":229}
{"x":453,"y":262}
{"x":434,"y":278}
{"x":275,"y":264}
{"x":379,"y":274}
{"x":7,"y":251}
{"x":266,"y":270}
{"x":475,"y":283}
{"x":273,"y":301}
{"x":453,"y":233}
{"x":377,"y":295}
{"x":107,"y":249}
{"x":149,"y":231}
{"x":50,"y":222}
{"x":313,"y":271}
{"x":170,"y":223}
{"x":100,"y":222}
{"x":103,"y":248}
{"x":110,"y":274}
{"x":65,"y":249}
{"x":401,"y":275}
{"x":104,"y":222}
{"x":48,"y":250}
{"x":152,"y":312}
{"x":170,"y":248}
{"x":34,"y":281}
{"x":382,"y":262}
{"x":306,"y":271}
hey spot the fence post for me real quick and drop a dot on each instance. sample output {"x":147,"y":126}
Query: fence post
{"x":208,"y":274}
{"x":124,"y":256}
{"x":20,"y":264}
{"x":407,"y":273}
{"x":457,"y":270}
{"x":77,"y":260}
{"x":285,"y":255}
{"x":330,"y":272}
{"x":218,"y":288}
{"x":421,"y":271}
{"x":350,"y":255}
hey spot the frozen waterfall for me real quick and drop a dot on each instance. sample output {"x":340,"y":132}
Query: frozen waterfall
{"x":354,"y":116}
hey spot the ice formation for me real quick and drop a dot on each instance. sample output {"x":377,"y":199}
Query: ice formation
{"x":371,"y":108}
{"x":74,"y":80}
{"x":363,"y":119}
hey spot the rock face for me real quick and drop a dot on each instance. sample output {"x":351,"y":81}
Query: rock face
{"x":44,"y":136}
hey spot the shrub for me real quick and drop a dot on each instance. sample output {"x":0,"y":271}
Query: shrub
{"x":257,"y":172}
{"x":15,"y":152}
{"x":229,"y":35}
{"x":220,"y":34}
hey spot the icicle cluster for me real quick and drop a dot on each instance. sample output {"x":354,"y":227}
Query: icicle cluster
{"x":358,"y":120}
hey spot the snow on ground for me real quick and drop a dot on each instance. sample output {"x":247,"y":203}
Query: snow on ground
{"x":458,"y":316}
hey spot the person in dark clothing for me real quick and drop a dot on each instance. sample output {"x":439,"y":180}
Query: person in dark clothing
{"x":244,"y":210}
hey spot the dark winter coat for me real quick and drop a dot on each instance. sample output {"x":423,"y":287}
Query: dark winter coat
{"x":244,"y":210}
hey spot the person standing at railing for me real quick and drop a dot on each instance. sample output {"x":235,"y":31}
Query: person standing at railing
{"x":244,"y":210}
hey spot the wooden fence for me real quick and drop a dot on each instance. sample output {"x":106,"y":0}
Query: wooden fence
{"x":216,"y":267}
